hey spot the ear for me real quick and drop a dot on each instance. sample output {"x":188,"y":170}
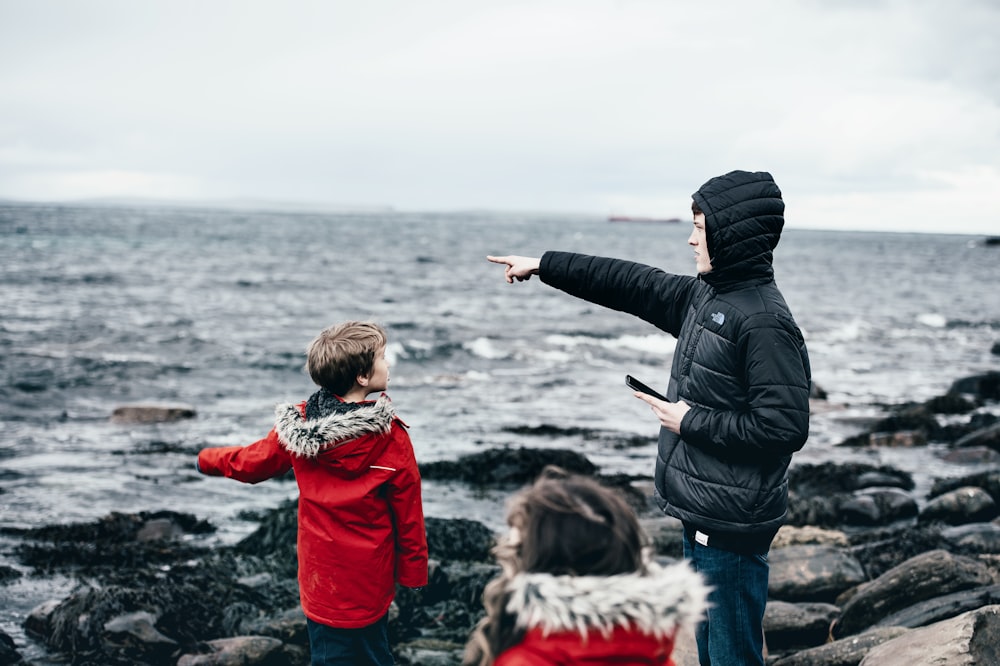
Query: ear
{"x":362,"y":380}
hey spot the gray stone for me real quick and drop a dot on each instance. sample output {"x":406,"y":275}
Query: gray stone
{"x":812,"y":573}
{"x":881,"y":506}
{"x":974,"y":538}
{"x":845,"y":652}
{"x":235,"y":651}
{"x":943,"y":607}
{"x":790,"y":626}
{"x":969,"y":504}
{"x":928,"y":575}
{"x":966,"y":640}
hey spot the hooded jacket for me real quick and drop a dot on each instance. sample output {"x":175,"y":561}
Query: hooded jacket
{"x":360,"y":517}
{"x":740,"y":361}
{"x":624,"y":619}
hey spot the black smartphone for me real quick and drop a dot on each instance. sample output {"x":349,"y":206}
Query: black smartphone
{"x":636,"y":385}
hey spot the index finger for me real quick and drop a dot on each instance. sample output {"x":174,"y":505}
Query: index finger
{"x":497,"y":260}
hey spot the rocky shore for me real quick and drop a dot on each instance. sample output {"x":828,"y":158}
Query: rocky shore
{"x":867,"y":571}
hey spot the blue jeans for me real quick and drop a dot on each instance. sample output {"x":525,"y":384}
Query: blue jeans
{"x":331,"y":646}
{"x":732,"y":633}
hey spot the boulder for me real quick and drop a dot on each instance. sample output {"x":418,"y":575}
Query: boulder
{"x":142,"y":413}
{"x":235,"y":651}
{"x":845,"y":652}
{"x":459,"y":538}
{"x":958,"y":507}
{"x":878,"y":506}
{"x":980,"y":387}
{"x":812,"y":573}
{"x":790,"y":626}
{"x":988,"y":481}
{"x":942,"y":608}
{"x":984,"y":437}
{"x":135,"y":636}
{"x":919,"y":578}
{"x":506,"y":467}
{"x":974,"y":538}
{"x":791,"y":535}
{"x":8,"y":650}
{"x":966,"y":640}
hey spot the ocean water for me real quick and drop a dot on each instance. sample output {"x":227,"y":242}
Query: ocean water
{"x":101,"y":307}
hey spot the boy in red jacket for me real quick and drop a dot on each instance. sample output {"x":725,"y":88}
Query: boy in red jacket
{"x":360,"y":516}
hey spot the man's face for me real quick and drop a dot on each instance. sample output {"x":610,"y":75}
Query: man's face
{"x":699,"y":242}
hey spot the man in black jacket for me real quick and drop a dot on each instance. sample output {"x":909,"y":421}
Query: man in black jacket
{"x":738,"y":398}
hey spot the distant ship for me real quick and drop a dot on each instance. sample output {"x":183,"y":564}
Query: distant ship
{"x":660,"y":220}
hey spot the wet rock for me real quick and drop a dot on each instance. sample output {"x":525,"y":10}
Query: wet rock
{"x":789,"y":626}
{"x":39,"y":620}
{"x":928,"y":575}
{"x":968,"y":639}
{"x":943,"y":607}
{"x":812,"y":573}
{"x":988,"y":481}
{"x":969,"y":504}
{"x":430,"y":652}
{"x":950,"y":403}
{"x":974,"y":538}
{"x":236,"y":651}
{"x":875,"y":506}
{"x":134,"y":636}
{"x":458,"y":538}
{"x":506,"y":467}
{"x":8,"y":650}
{"x":666,"y":534}
{"x":984,"y":437}
{"x":8,"y":574}
{"x":981,"y":387}
{"x":825,"y":479}
{"x":845,"y":652}
{"x":143,"y":413}
{"x":973,"y":455}
{"x":881,"y":549}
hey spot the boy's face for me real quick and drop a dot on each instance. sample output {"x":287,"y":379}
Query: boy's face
{"x":379,"y":379}
{"x":699,"y":241}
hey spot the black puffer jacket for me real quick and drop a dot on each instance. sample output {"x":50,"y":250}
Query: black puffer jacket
{"x":740,"y":361}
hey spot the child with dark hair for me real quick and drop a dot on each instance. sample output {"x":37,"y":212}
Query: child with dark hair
{"x":578,"y":585}
{"x":360,"y":516}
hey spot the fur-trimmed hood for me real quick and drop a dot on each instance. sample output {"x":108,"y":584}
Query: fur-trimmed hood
{"x":310,"y":438}
{"x":658,"y":602}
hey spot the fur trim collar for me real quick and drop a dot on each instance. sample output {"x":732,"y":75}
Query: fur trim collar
{"x":309,"y":438}
{"x":658,"y":603}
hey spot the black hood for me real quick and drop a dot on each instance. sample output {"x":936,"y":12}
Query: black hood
{"x":744,"y":215}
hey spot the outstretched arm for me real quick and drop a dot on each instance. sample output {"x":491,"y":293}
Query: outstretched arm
{"x":519,"y":268}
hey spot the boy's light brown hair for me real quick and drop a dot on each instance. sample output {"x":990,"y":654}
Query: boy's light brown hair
{"x":338,"y":355}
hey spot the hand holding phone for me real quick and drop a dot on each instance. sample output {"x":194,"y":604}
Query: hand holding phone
{"x":636,"y":385}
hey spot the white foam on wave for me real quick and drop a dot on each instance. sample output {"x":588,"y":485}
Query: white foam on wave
{"x":484,"y":348}
{"x":932,"y":319}
{"x":654,"y":344}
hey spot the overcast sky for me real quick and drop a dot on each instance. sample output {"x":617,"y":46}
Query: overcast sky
{"x":881,"y":115}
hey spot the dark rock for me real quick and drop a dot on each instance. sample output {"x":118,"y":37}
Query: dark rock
{"x":134,"y":636}
{"x":143,"y":413}
{"x":458,"y":538}
{"x":8,"y":574}
{"x":845,"y":652}
{"x":969,"y":504}
{"x":988,"y":436}
{"x":899,"y":438}
{"x":943,"y":607}
{"x":790,"y":626}
{"x":39,"y":621}
{"x":872,"y":507}
{"x":816,"y":392}
{"x":988,"y":481}
{"x":8,"y":651}
{"x":236,"y":651}
{"x":950,"y":403}
{"x":970,"y":638}
{"x":506,"y":467}
{"x":995,"y":349}
{"x":974,"y":538}
{"x":812,"y":573}
{"x":882,"y":549}
{"x":824,"y":479}
{"x":980,"y":387}
{"x":923,"y":577}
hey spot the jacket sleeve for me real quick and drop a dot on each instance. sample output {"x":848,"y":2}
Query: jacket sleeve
{"x":649,"y":293}
{"x":406,"y":502}
{"x":262,"y":460}
{"x":776,"y":420}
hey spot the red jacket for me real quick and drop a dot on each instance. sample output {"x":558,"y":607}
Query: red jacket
{"x":360,"y":516}
{"x":628,"y":619}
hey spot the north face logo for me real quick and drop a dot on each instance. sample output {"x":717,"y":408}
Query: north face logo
{"x":718,"y":318}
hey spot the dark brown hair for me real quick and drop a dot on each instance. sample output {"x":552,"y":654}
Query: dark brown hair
{"x":341,"y":353}
{"x":563,"y":524}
